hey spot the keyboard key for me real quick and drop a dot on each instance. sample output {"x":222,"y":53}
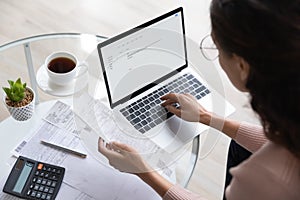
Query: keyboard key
{"x":151,"y":99}
{"x":159,"y":113}
{"x":130,"y":110}
{"x":166,"y":91}
{"x":136,"y":120}
{"x":152,"y":104}
{"x":149,"y":119}
{"x":137,"y":126}
{"x":142,"y":116}
{"x":147,"y":113}
{"x":152,"y":125}
{"x":160,"y":93}
{"x":158,"y":101}
{"x":142,"y":110}
{"x":153,"y":111}
{"x":158,"y":121}
{"x":154,"y":116}
{"x":137,"y":113}
{"x":147,"y":128}
{"x":156,"y":96}
{"x":144,"y":122}
{"x":142,"y":130}
{"x":190,"y":77}
{"x":125,"y":113}
{"x":132,"y":116}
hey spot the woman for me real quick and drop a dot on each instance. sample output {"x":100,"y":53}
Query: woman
{"x":259,"y":49}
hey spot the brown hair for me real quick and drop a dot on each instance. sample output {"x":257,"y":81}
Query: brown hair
{"x":266,"y":33}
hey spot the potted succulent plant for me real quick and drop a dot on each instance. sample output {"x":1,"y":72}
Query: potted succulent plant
{"x":19,"y":100}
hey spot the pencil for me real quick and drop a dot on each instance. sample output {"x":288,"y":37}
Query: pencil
{"x":63,"y":148}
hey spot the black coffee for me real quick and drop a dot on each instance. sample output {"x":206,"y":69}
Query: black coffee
{"x":61,"y":65}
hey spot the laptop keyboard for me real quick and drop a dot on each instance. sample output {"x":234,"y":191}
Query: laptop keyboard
{"x":147,"y":112}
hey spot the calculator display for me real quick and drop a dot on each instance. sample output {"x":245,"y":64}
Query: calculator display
{"x":23,"y":177}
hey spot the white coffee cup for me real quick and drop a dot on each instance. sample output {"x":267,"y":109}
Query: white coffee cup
{"x":63,"y":68}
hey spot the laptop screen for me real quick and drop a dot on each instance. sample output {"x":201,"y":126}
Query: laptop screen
{"x":144,"y":56}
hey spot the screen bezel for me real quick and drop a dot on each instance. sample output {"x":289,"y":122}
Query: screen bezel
{"x":133,"y":30}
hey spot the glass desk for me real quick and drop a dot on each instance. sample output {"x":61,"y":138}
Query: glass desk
{"x":24,"y":58}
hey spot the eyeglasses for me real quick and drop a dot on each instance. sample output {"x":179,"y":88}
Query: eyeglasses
{"x":208,"y":48}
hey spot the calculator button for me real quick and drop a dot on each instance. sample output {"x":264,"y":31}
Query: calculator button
{"x":40,"y":166}
{"x":31,"y":186}
{"x":58,"y":171}
{"x":49,"y":183}
{"x":44,"y":181}
{"x":51,"y":190}
{"x":28,"y":192}
{"x":48,"y":197}
{"x":46,"y":189}
{"x":38,"y":195}
{"x":53,"y":177}
{"x":34,"y":180}
{"x":42,"y":174}
{"x":54,"y":170}
{"x":41,"y":188}
{"x":46,"y":175}
{"x":53,"y":184}
{"x":37,"y":173}
{"x":49,"y":169}
{"x":39,"y":181}
{"x":43,"y":196}
{"x":33,"y":194}
{"x":44,"y":168}
{"x":36,"y":187}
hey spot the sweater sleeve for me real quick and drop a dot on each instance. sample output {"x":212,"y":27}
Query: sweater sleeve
{"x":250,"y":136}
{"x":178,"y":193}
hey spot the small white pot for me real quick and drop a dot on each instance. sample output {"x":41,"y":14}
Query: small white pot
{"x":22,"y":113}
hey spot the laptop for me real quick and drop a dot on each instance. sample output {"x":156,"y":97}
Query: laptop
{"x":143,"y":64}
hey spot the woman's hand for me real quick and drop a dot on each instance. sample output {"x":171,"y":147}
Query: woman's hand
{"x":127,"y":159}
{"x":123,"y":157}
{"x":189,"y":109}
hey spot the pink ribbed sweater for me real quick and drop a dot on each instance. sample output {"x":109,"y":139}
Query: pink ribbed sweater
{"x":272,"y":172}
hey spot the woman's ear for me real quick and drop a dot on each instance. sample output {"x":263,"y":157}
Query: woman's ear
{"x":243,"y":68}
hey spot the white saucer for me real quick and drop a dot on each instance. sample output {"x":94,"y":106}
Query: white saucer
{"x":47,"y":86}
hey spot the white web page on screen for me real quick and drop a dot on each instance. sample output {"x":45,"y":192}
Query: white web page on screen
{"x":144,"y":56}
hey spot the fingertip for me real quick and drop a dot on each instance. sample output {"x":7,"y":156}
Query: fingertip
{"x":164,"y":104}
{"x":100,"y":145}
{"x":173,"y":110}
{"x":164,"y":97}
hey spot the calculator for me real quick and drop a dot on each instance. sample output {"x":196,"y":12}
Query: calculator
{"x":30,"y":179}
